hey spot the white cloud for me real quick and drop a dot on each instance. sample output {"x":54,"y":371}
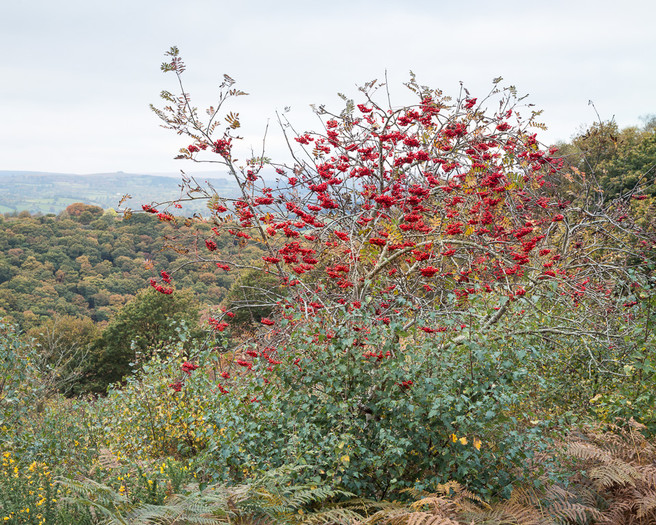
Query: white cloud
{"x":80,"y":74}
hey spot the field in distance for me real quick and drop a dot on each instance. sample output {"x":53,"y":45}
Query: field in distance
{"x":42,"y":192}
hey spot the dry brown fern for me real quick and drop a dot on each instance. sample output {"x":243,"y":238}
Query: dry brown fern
{"x":571,"y":512}
{"x":517,"y":512}
{"x":615,"y":481}
{"x":107,"y":459}
{"x":439,"y":508}
{"x":453,"y":504}
{"x":523,"y":508}
{"x":408,"y":517}
{"x":646,"y":504}
{"x":461,"y":496}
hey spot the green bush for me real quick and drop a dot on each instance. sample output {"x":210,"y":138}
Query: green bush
{"x":160,"y":411}
{"x":147,"y":323}
{"x":374,"y":408}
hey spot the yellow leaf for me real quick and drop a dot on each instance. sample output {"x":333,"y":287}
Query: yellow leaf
{"x":454,"y":438}
{"x":345,"y":459}
{"x":477,"y":443}
{"x":463,"y":440}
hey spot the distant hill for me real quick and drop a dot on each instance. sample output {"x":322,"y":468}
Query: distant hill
{"x":42,"y":192}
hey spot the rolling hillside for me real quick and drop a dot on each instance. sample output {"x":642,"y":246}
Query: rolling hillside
{"x":41,"y":192}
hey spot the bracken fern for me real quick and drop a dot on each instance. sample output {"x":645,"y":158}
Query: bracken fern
{"x":269,"y":499}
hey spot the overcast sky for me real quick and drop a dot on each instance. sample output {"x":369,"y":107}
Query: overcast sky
{"x":77,"y":76}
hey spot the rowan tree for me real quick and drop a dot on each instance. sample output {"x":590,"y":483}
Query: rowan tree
{"x":405,"y":237}
{"x":435,"y":202}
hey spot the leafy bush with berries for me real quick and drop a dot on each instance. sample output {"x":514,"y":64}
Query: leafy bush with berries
{"x":427,"y":266}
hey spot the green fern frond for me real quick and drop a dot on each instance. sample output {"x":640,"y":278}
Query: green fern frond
{"x":102,"y":499}
{"x":216,"y":504}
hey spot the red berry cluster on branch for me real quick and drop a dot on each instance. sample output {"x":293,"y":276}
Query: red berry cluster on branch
{"x":414,"y":210}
